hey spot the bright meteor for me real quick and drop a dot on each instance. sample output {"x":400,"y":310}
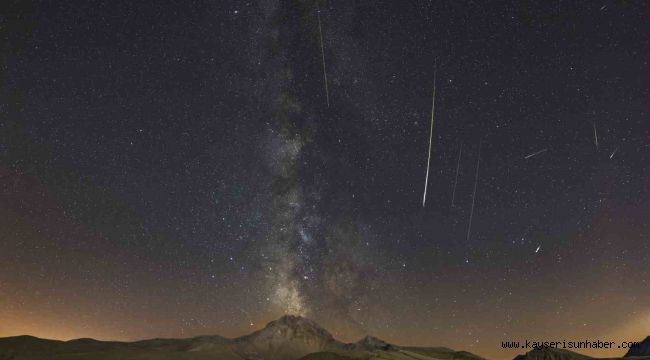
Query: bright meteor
{"x":535,"y":153}
{"x":433,"y":107}
{"x":471,"y":212}
{"x":322,"y":51}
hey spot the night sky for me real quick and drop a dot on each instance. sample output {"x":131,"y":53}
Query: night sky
{"x":170,"y":169}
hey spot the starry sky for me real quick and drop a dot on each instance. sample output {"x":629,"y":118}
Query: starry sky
{"x":170,"y":169}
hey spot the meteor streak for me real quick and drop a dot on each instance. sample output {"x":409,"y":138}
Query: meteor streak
{"x":535,"y":153}
{"x":322,"y":51}
{"x":613,"y":153}
{"x":471,"y":212}
{"x":453,"y":194}
{"x":433,"y":107}
{"x":595,"y":136}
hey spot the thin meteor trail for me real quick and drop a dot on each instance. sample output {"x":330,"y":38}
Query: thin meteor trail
{"x":453,"y":193}
{"x":433,"y":107}
{"x":613,"y":153}
{"x":248,"y":316}
{"x":595,"y":136}
{"x":471,"y":212}
{"x":322,"y":51}
{"x":535,"y":153}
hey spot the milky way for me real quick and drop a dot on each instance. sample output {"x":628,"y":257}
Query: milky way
{"x":312,"y":261}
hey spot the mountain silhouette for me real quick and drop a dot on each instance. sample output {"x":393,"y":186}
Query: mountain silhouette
{"x":287,"y":338}
{"x":371,"y":343}
{"x":290,"y":337}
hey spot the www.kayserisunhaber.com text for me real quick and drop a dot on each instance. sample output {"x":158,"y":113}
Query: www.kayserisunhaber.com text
{"x":564,"y":344}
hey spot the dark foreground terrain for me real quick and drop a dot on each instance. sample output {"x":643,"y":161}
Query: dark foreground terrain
{"x":288,"y":338}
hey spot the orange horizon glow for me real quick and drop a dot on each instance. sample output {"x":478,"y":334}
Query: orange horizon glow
{"x":65,"y":331}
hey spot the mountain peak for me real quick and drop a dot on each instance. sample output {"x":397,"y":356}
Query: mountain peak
{"x":292,"y":319}
{"x":289,"y":337}
{"x":371,"y":340}
{"x":298,"y":324}
{"x":372,"y":343}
